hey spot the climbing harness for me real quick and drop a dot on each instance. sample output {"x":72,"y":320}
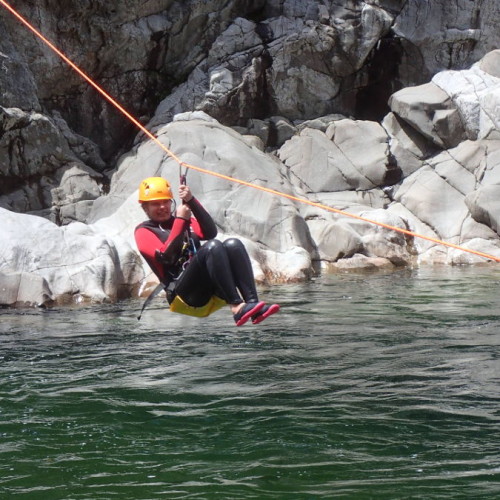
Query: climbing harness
{"x":226,"y":177}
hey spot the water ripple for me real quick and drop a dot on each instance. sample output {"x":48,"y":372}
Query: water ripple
{"x":381,"y":386}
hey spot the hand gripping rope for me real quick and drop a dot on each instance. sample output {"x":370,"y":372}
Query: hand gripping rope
{"x":222,"y":176}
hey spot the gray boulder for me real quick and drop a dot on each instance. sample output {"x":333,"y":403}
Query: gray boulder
{"x":455,"y":106}
{"x":475,"y":93}
{"x":42,"y":261}
{"x":443,"y":200}
{"x":334,"y":161}
{"x":41,"y":174}
{"x":408,"y":148}
{"x":22,"y":289}
{"x":430,"y":111}
{"x":484,"y":206}
{"x":334,"y":240}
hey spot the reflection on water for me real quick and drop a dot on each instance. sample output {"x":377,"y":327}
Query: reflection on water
{"x":364,"y":386}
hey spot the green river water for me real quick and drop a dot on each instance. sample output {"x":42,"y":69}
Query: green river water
{"x":380,"y":386}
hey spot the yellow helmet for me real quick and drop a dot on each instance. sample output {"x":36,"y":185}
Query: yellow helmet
{"x":155,"y":188}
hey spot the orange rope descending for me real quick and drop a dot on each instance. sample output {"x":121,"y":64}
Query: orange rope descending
{"x":222,"y":176}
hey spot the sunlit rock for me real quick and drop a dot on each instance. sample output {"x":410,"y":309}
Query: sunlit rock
{"x":67,"y":264}
{"x":484,"y":206}
{"x":360,"y":262}
{"x":23,"y":289}
{"x":303,"y":85}
{"x":430,"y":110}
{"x":408,"y":147}
{"x":350,"y":155}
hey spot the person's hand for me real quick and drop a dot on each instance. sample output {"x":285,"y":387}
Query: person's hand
{"x":185,"y":193}
{"x":183,"y":211}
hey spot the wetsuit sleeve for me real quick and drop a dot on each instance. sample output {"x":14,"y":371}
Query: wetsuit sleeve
{"x":202,"y":225}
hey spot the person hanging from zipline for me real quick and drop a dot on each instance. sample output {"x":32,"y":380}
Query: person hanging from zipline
{"x":198,"y":278}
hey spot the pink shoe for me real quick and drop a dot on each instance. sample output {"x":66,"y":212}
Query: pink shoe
{"x":249,"y":310}
{"x":264,"y":313}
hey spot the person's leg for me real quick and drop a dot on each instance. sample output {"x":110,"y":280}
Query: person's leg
{"x":208,"y":273}
{"x":241,"y":268}
{"x":244,"y":279}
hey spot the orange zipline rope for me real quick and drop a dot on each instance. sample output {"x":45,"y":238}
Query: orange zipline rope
{"x":222,"y":176}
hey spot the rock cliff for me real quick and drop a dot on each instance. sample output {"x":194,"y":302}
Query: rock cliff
{"x":387,"y":110}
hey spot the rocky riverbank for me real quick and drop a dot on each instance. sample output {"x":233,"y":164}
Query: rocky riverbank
{"x":258,"y":107}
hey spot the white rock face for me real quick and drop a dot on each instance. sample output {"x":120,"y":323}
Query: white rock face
{"x":484,"y":205}
{"x":21,"y":289}
{"x":72,"y":263}
{"x":340,"y":195}
{"x":474,"y":93}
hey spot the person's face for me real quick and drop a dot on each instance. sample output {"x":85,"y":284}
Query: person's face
{"x":158,"y":210}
